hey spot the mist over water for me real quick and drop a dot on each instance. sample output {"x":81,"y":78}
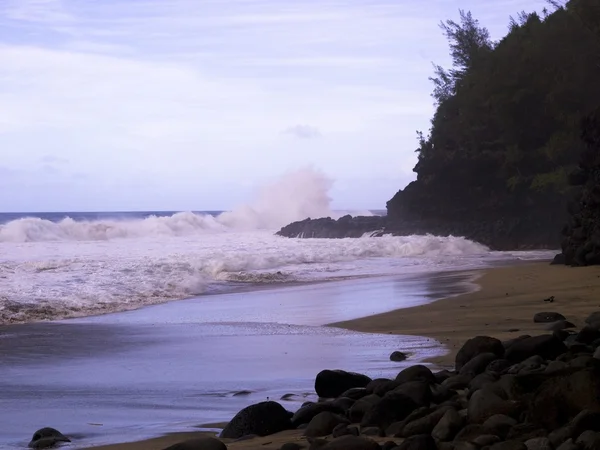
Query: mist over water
{"x":85,"y":264}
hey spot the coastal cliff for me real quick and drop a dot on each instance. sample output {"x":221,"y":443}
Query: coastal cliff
{"x":504,"y":138}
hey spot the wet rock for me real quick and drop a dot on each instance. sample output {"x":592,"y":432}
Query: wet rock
{"x":425,"y":425}
{"x":204,"y":443}
{"x":482,"y":380}
{"x":560,"y":435}
{"x":593,"y":319}
{"x":587,"y":335}
{"x":546,"y":346}
{"x":525,"y":431}
{"x":389,"y":445}
{"x":307,"y":412}
{"x":419,"y":442}
{"x":478,"y":364}
{"x":332,"y":383}
{"x":370,"y":431}
{"x":391,"y":408}
{"x":343,"y":429}
{"x":47,"y":437}
{"x":469,"y":432}
{"x":560,"y":325}
{"x":589,"y":440}
{"x":442,"y":375}
{"x":560,"y":398}
{"x":450,"y":423}
{"x":360,"y":407}
{"x":540,"y":443}
{"x":324,"y":423}
{"x":548,"y":317}
{"x":343,"y":403}
{"x":457,"y":381}
{"x":555,"y":366}
{"x":509,"y":445}
{"x":381,"y":386}
{"x":498,"y":366}
{"x":355,"y":393}
{"x":418,"y":391}
{"x":585,"y":420}
{"x":418,"y":372}
{"x":398,"y":356}
{"x":261,"y":419}
{"x":395,"y":429}
{"x":475,"y":346}
{"x":484,"y":404}
{"x":568,"y":445}
{"x":485,"y":440}
{"x":499,"y":424}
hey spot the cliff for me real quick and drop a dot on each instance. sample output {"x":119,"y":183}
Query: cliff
{"x":505,"y":135}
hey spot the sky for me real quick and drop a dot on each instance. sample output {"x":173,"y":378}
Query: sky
{"x":193,"y":104}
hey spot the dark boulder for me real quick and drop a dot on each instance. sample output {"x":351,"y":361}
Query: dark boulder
{"x":547,"y":346}
{"x":419,"y":442}
{"x":478,"y":363}
{"x":260,"y":419}
{"x":350,"y":442}
{"x":418,"y":391}
{"x":548,"y":317}
{"x":391,"y":408}
{"x":324,"y":423}
{"x":47,"y":437}
{"x":307,"y":412}
{"x":475,"y":346}
{"x":360,"y":408}
{"x":332,"y":383}
{"x":398,"y":356}
{"x":418,"y":372}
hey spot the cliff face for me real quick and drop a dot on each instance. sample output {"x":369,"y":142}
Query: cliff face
{"x":581,"y":234}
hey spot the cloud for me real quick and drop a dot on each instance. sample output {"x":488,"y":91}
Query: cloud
{"x":303,"y":131}
{"x":52,"y":159}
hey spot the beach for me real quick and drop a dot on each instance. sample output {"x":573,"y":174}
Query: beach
{"x":507,"y":299}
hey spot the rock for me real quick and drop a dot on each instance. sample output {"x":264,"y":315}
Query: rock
{"x":425,"y":425}
{"x":457,"y":381}
{"x":341,"y":429}
{"x":498,"y":366}
{"x":398,"y":356}
{"x":328,"y":228}
{"x":597,"y":353}
{"x":593,"y":319}
{"x":306,"y":413}
{"x":355,"y":393}
{"x":391,"y":408}
{"x":568,"y":445}
{"x":381,"y":386}
{"x":478,"y":364}
{"x":332,"y":383}
{"x":555,"y":366}
{"x":546,"y":346}
{"x":585,"y":420}
{"x":203,"y":443}
{"x":485,"y":440}
{"x":418,"y":391}
{"x":261,"y":419}
{"x":47,"y":437}
{"x":469,"y":432}
{"x":343,"y":403}
{"x":350,"y":442}
{"x":323,"y":424}
{"x":587,"y":335}
{"x":389,"y":445}
{"x":482,"y":380}
{"x":548,"y":317}
{"x":582,"y":361}
{"x":561,"y":397}
{"x":589,"y":440}
{"x":418,"y":372}
{"x":442,"y":375}
{"x":540,"y":443}
{"x":360,"y":408}
{"x":395,"y":429}
{"x":499,"y":424}
{"x":370,"y":431}
{"x":475,"y":346}
{"x":419,"y":442}
{"x":509,"y":445}
{"x":560,"y":325}
{"x":484,"y":404}
{"x":463,"y":445}
{"x":525,"y":431}
{"x":560,"y":435}
{"x":448,"y":426}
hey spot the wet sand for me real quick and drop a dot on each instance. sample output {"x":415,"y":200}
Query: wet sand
{"x":503,"y":307}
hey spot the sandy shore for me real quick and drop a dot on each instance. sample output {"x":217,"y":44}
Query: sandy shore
{"x":503,"y":307}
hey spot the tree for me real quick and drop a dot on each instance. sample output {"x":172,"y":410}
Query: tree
{"x":468,"y":44}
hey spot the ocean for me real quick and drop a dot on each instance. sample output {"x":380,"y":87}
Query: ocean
{"x":94,"y":342}
{"x":74,"y":264}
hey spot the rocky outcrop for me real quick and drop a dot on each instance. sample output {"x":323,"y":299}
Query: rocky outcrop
{"x":329,"y":228}
{"x":581,"y":235}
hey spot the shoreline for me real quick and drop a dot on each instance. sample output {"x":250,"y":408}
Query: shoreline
{"x":502,"y":305}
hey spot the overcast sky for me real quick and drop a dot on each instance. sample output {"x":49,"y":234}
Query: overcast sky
{"x":190,"y":104}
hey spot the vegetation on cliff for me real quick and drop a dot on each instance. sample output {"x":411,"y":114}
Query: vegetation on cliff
{"x":506,"y":132}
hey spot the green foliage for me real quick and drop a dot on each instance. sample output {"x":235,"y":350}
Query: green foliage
{"x":508,"y":113}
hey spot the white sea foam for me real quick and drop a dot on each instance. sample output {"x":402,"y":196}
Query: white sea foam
{"x":76,"y":268}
